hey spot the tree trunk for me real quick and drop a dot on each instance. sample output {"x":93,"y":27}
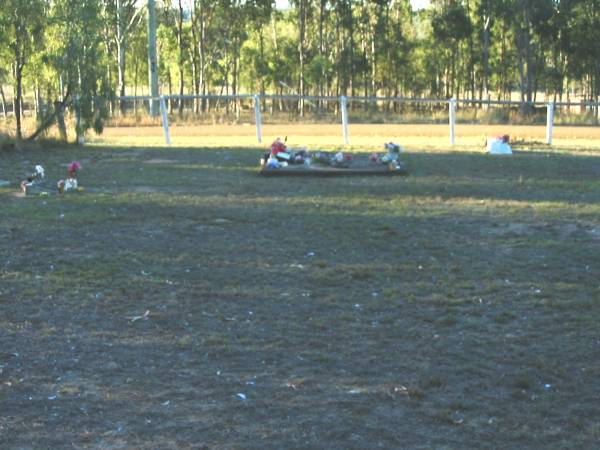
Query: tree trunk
{"x":57,"y":115}
{"x":135,"y":86}
{"x":152,"y":59}
{"x":3,"y":101}
{"x":37,"y":100}
{"x":352,"y":65}
{"x":486,"y":53}
{"x":121,"y":53}
{"x":180,"y":60}
{"x":202,"y":54}
{"x":18,"y":101}
{"x":234,"y":82}
{"x":529,"y":57}
{"x":60,"y":120}
{"x":373,"y":66}
{"x":522,"y":87}
{"x":194,"y":57}
{"x":302,"y":55}
{"x":322,"y":10}
{"x":170,"y":84}
{"x":261,"y":50}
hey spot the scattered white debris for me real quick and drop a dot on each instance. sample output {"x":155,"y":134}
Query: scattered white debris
{"x":241,"y":396}
{"x":53,"y":397}
{"x":166,"y":403}
{"x":143,"y":316}
{"x":310,"y":254}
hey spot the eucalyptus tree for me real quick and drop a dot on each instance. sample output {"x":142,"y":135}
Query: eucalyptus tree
{"x":74,"y":54}
{"x":304,"y":9}
{"x":322,"y":65}
{"x":451,"y":24}
{"x":177,"y":14}
{"x":202,"y":19}
{"x":230,"y":21}
{"x":399,"y":67}
{"x":23,"y":23}
{"x":166,"y":38}
{"x":3,"y":78}
{"x":123,"y":16}
{"x":258,"y":15}
{"x":344,"y":47}
{"x":581,"y":43}
{"x":532,"y":27}
{"x":485,"y":14}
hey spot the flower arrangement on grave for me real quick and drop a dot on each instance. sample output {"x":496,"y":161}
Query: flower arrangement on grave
{"x":70,"y":183}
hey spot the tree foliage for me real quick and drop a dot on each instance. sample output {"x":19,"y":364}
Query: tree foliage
{"x":74,"y":55}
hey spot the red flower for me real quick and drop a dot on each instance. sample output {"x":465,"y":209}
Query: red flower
{"x":73,"y":167}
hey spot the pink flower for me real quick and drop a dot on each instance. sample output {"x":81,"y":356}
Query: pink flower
{"x":74,"y":167}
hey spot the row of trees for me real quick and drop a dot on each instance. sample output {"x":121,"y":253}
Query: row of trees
{"x":78,"y":53}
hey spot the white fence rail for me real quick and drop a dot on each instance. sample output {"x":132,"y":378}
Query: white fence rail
{"x":343,"y":102}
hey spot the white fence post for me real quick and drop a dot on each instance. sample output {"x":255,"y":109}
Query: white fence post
{"x":344,"y":106}
{"x":165,"y":120}
{"x":257,"y":118}
{"x":549,"y":122}
{"x":452,"y":119}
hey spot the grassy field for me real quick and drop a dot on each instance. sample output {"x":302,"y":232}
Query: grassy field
{"x":371,"y":136}
{"x":181,"y":301}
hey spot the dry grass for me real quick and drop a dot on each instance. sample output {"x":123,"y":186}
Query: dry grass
{"x":414,"y":137}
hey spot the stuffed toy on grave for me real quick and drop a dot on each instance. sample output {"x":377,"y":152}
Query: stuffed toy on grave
{"x":391,"y":158}
{"x":282,"y":156}
{"x":70,"y":183}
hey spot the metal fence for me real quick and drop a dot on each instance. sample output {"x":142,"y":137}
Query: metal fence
{"x":263,"y":109}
